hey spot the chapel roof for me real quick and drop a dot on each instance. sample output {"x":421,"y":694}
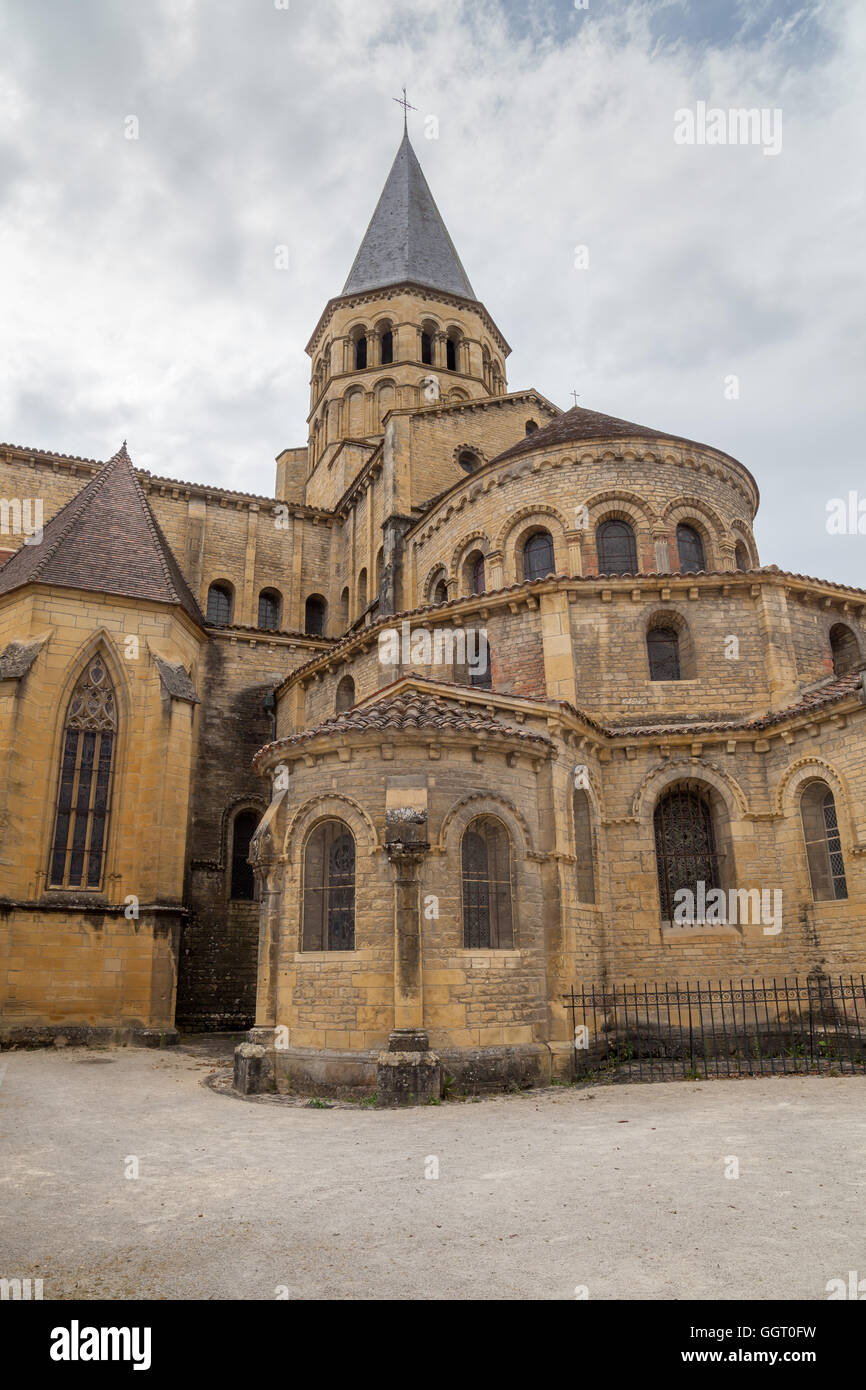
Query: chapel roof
{"x":107,"y":540}
{"x":580,"y":425}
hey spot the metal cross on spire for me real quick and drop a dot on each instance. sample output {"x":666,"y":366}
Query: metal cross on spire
{"x":576,"y":397}
{"x":407,"y":107}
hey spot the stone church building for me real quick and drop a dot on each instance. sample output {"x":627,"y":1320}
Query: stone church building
{"x":461,"y":715}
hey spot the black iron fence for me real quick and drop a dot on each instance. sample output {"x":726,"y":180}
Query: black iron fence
{"x":701,"y":1029}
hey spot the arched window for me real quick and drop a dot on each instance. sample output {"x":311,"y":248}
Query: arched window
{"x":243,"y":888}
{"x":329,"y":888}
{"x":345,"y":695}
{"x":823,"y":843}
{"x":451,"y":354}
{"x":617,"y":548}
{"x":663,"y":650}
{"x":538,"y":559}
{"x":427,"y":349}
{"x":314,"y":616}
{"x":84,"y":795}
{"x":439,"y":588}
{"x":845,"y":649}
{"x":488,"y":919}
{"x":531,"y":426}
{"x":343,"y":611}
{"x":480,"y":669}
{"x":685,"y":847}
{"x":360,"y":352}
{"x":690,"y":549}
{"x":387,"y":347}
{"x":584,"y":847}
{"x":475,"y":573}
{"x":741,"y":556}
{"x":468,"y":461}
{"x":219,"y":604}
{"x":362,"y":590}
{"x":270,"y":610}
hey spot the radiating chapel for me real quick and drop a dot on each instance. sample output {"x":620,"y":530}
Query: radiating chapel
{"x":445,"y":725}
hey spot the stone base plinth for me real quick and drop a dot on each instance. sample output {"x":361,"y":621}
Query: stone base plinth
{"x":408,"y":1078}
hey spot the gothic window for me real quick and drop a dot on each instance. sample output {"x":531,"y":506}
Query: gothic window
{"x":345,"y":694}
{"x":314,"y":616}
{"x":538,"y":559}
{"x":427,"y":349}
{"x":451,"y":354}
{"x":584,"y":849}
{"x":360,"y":352}
{"x":690,"y":549}
{"x":845,"y":649}
{"x":387,"y":347}
{"x":685,"y":847}
{"x":243,"y":887}
{"x":219,"y":604}
{"x":741,"y":556}
{"x":84,"y":790}
{"x":823,"y":843}
{"x":480,"y":672}
{"x":488,"y":922}
{"x":329,"y":888}
{"x":663,"y":650}
{"x":617,"y":548}
{"x":270,"y":610}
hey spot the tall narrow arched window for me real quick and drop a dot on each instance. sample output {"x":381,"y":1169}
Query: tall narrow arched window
{"x":480,"y":670}
{"x":243,"y":884}
{"x":343,"y":611}
{"x":584,"y":847}
{"x":314,"y":616}
{"x":360,"y":352}
{"x":685,"y":848}
{"x":451,"y":353}
{"x":617,"y":548}
{"x":845,"y":649}
{"x":538,"y":560}
{"x":475,"y":573}
{"x":345,"y":695}
{"x":439,"y":591}
{"x":741,"y":556}
{"x":823,"y":843}
{"x":387,"y":347}
{"x":220,"y":598}
{"x":663,"y":651}
{"x":488,"y":917}
{"x":427,"y":349}
{"x":329,"y":888}
{"x":84,"y":792}
{"x":270,"y":610}
{"x":690,"y":549}
{"x":362,"y":590}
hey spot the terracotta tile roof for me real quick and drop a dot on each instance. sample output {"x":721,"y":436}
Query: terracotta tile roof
{"x":105,"y":540}
{"x":405,"y":712}
{"x":579,"y":425}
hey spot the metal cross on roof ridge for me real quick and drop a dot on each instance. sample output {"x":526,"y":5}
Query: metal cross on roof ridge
{"x":407,"y":107}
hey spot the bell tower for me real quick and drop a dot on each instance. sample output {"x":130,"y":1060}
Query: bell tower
{"x":407,"y":331}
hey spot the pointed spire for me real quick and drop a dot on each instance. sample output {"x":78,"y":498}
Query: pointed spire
{"x":105,"y":540}
{"x":406,"y":238}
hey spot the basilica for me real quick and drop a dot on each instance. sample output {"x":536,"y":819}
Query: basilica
{"x":458,"y":717}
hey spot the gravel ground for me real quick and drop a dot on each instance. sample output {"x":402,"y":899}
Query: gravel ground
{"x":620,"y":1190}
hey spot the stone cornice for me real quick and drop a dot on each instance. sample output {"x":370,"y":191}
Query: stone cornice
{"x":413,"y":287}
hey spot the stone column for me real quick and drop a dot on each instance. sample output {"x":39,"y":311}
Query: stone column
{"x":574,"y":541}
{"x":493,"y":569}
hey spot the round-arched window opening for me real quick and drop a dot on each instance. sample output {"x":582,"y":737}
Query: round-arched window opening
{"x":617,"y":548}
{"x":220,"y":600}
{"x":451,"y":354}
{"x":845,"y":649}
{"x":270,"y":610}
{"x":314,"y":616}
{"x":243,"y":884}
{"x":345,"y":695}
{"x":387,"y":347}
{"x":538,"y":556}
{"x":531,"y":426}
{"x":741,"y":557}
{"x":468,"y":461}
{"x":690,"y":549}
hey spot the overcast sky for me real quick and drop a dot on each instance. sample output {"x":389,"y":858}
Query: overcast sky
{"x":139,"y":290}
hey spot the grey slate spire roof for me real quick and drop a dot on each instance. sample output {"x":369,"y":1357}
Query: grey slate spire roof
{"x":406,"y":238}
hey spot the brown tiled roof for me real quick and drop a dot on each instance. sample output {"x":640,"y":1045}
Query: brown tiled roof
{"x":105,"y":540}
{"x":588,"y":426}
{"x":407,"y":711}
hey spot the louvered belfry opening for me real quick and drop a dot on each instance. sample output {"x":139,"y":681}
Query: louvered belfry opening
{"x":488,"y":919}
{"x":329,"y":888}
{"x":686,"y":852}
{"x":84,"y":790}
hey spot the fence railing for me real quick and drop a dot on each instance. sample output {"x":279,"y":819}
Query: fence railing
{"x":701,"y":1029}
